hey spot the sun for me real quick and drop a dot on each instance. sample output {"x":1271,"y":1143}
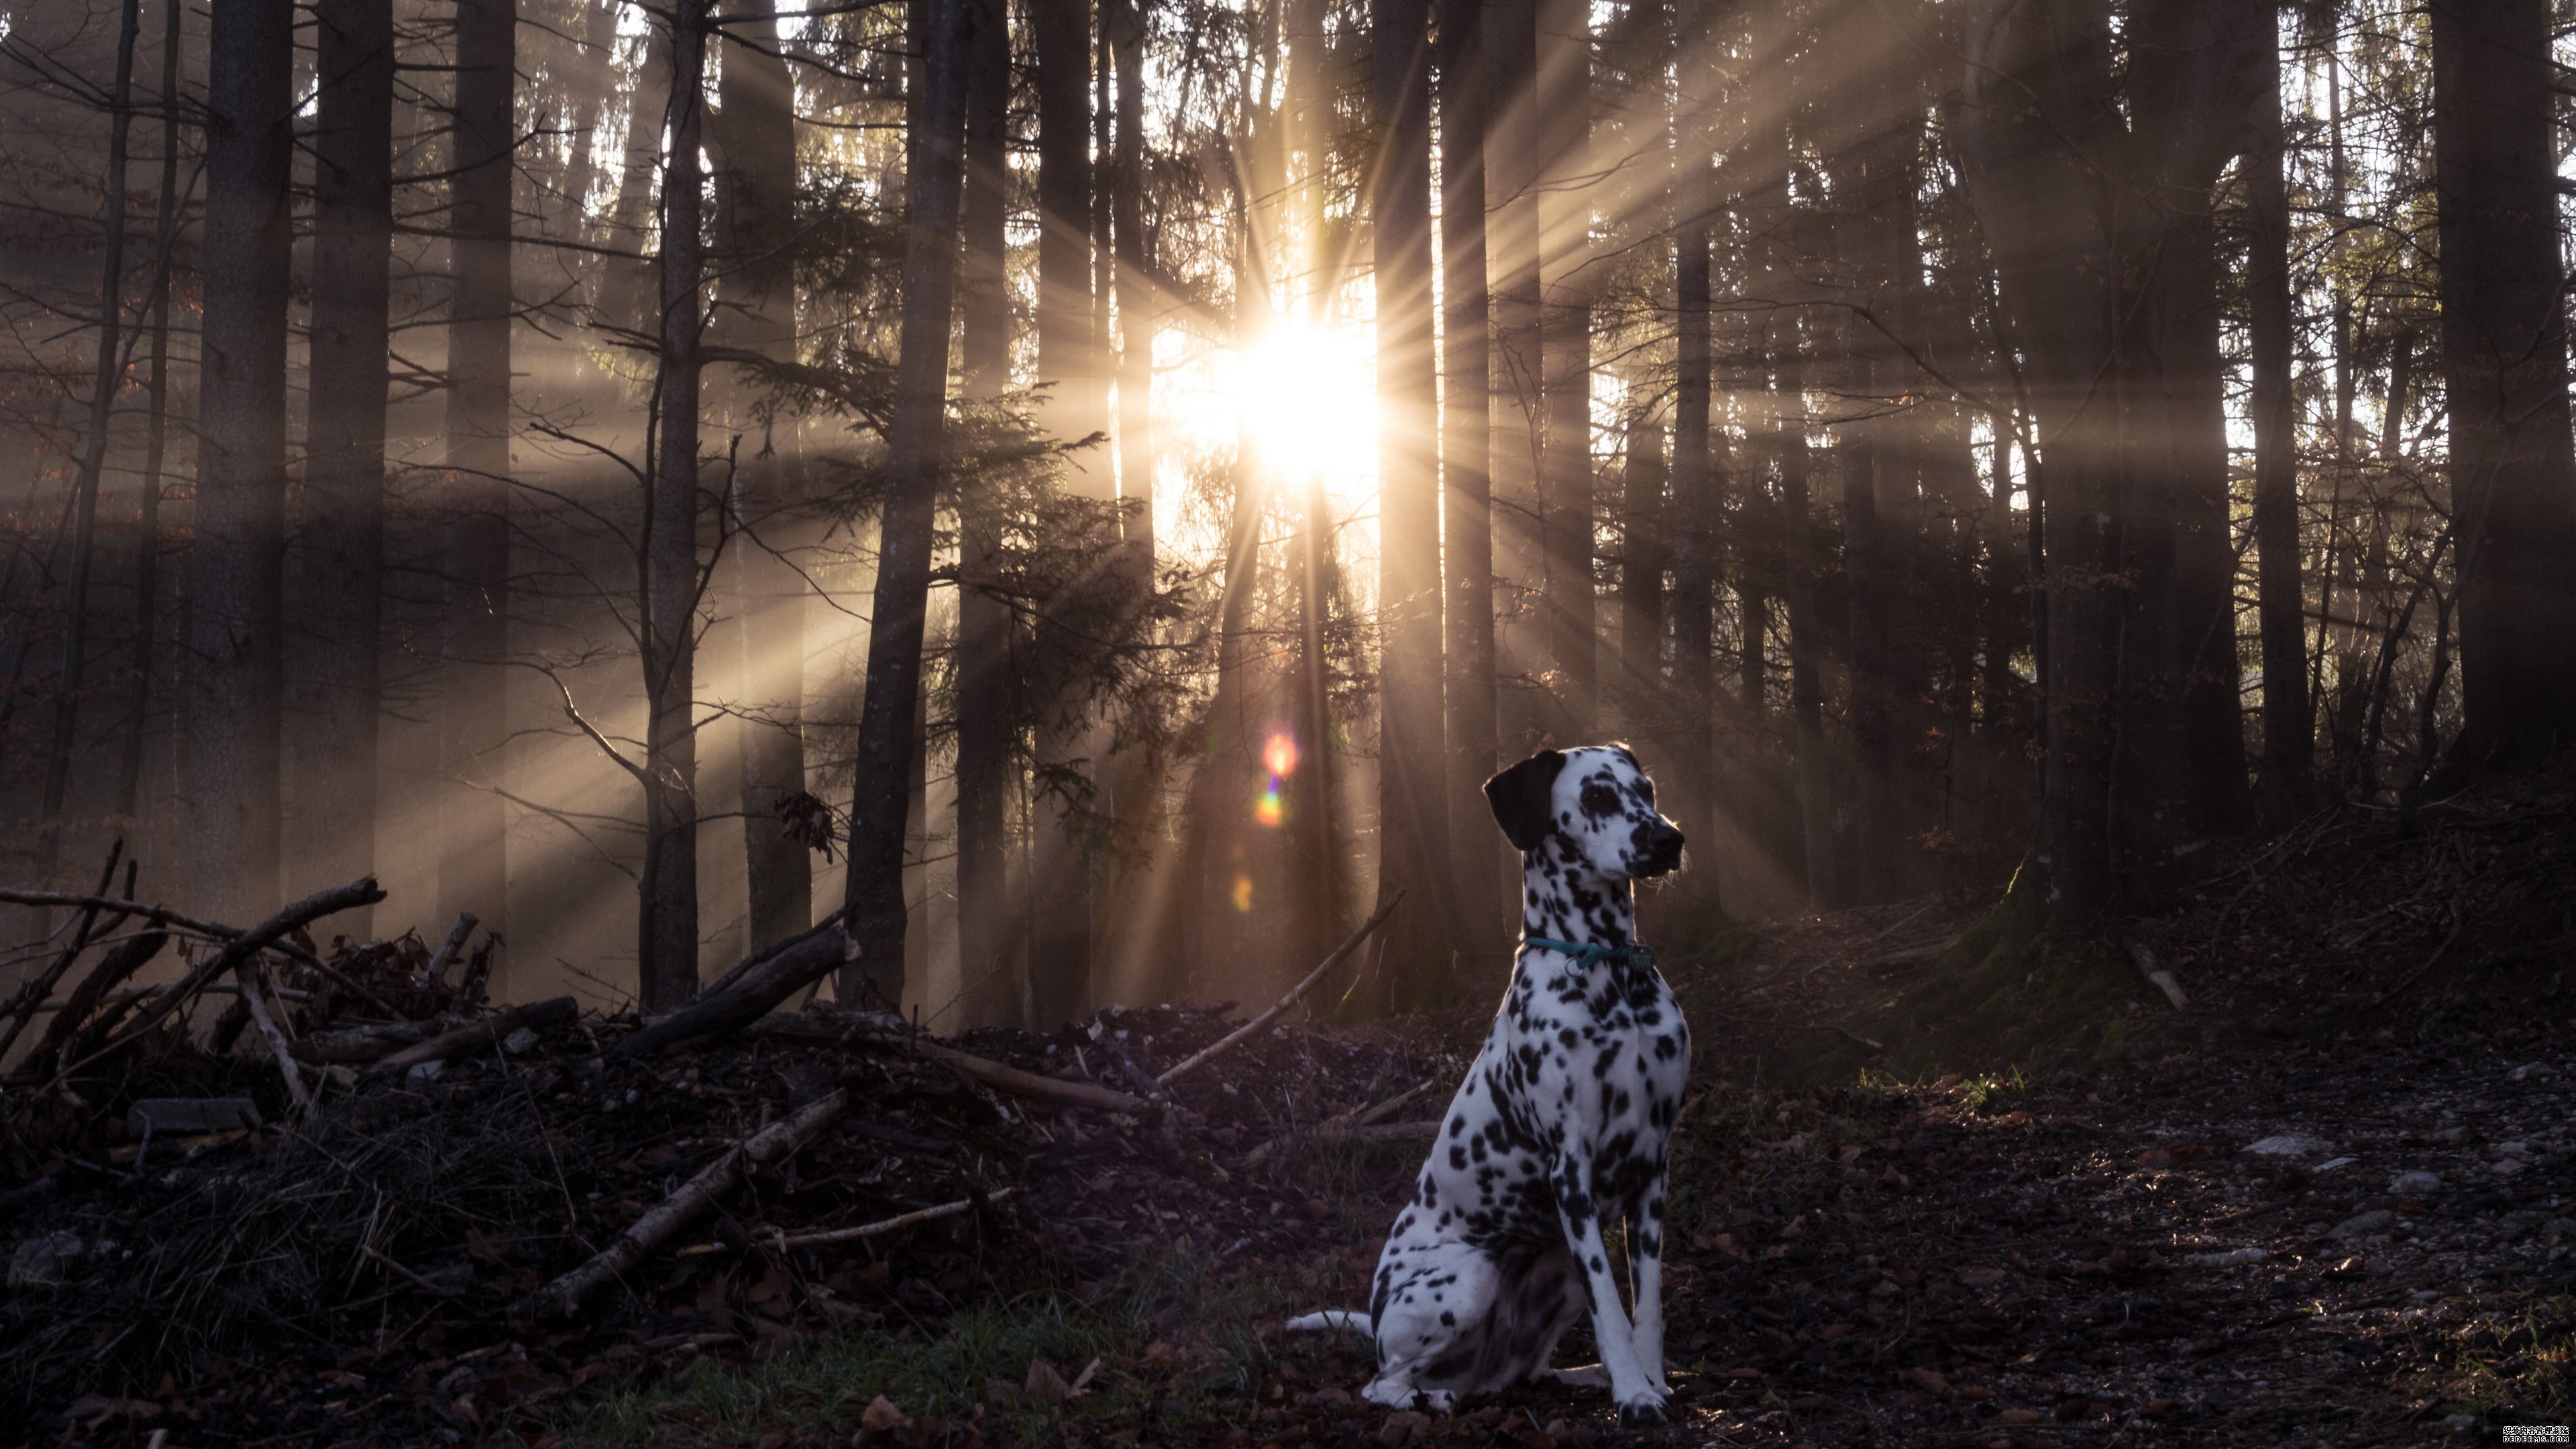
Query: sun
{"x":1309,"y":396}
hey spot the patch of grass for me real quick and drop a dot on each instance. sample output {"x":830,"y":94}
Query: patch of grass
{"x":1209,"y":1361}
{"x":2520,"y":1364}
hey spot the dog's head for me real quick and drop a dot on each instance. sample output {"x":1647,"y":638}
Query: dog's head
{"x":1591,"y":809}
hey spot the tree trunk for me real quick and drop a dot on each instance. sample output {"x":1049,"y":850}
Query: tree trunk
{"x":1413,"y":816}
{"x":2504,"y":355}
{"x":1691,"y":795}
{"x":1523,"y":715}
{"x":666,"y":942}
{"x":1466,"y":433}
{"x":147,"y":564}
{"x":1125,"y":25}
{"x":235,"y":624}
{"x":1564,"y":90}
{"x":758,"y":130}
{"x":106,"y":377}
{"x":473,"y":723}
{"x":1068,"y":358}
{"x":2289,"y":728}
{"x":344,"y":469}
{"x":1644,"y":550}
{"x":990,"y":988}
{"x":916,"y":459}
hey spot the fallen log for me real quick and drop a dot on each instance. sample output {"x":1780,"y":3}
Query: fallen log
{"x":476,"y":1035}
{"x":1340,"y":954}
{"x":240,"y":948}
{"x":807,"y":958}
{"x":879,"y":1028}
{"x":560,"y":1297}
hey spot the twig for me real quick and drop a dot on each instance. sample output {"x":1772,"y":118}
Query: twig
{"x":2418,"y":974}
{"x":889,"y":1225}
{"x":435,"y":1290}
{"x":247,"y":973}
{"x":840,"y":1028}
{"x":1340,"y":1122}
{"x":1340,"y":953}
{"x":650,"y":1231}
{"x":32,"y":995}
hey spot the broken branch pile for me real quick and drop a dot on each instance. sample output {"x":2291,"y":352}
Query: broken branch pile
{"x":527,"y":1188}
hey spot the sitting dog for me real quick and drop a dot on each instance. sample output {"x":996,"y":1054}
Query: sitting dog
{"x":1560,"y":1126}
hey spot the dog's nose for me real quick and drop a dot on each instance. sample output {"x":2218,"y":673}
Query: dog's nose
{"x":1664,"y":845}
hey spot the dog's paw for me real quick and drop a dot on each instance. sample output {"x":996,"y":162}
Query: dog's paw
{"x":1391,"y":1394}
{"x":1644,"y":1409}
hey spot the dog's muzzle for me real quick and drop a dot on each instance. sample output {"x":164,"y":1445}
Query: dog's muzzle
{"x":1663,"y":854}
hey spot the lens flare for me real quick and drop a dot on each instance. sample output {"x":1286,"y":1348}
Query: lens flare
{"x":1266,"y":809}
{"x":1243,"y":893}
{"x":1280,"y":754}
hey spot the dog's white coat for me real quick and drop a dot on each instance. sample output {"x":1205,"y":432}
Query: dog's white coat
{"x":1559,"y":1127}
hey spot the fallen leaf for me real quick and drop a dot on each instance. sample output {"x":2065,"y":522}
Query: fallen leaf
{"x":1797,"y":1228}
{"x":881,"y":1416}
{"x":2157,"y":1406}
{"x":2155,"y":1157}
{"x":2020,"y":1416}
{"x":1402,"y":1426}
{"x":95,"y":1409}
{"x":1974,"y":1393}
{"x":1046,"y":1383}
{"x":1931,"y":1380}
{"x":2013,"y":1119}
{"x":2018,"y":1261}
{"x":1002,"y":1392}
{"x":1945,"y":1081}
{"x":1727,"y":1243}
{"x":2072,"y":1409}
{"x":1082,"y":1380}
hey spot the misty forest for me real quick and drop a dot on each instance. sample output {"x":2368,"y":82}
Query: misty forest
{"x":726,"y":533}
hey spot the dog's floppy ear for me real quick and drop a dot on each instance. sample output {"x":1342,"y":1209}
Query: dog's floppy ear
{"x":1524,"y":798}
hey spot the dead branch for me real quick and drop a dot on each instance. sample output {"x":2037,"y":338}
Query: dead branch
{"x":466,"y":921}
{"x":780,"y":1139}
{"x":33,"y":994}
{"x":355,"y":1044}
{"x":889,"y":1225}
{"x":1340,"y":954}
{"x":475,"y":1035}
{"x":2157,"y":976}
{"x":248,"y":974}
{"x":240,"y":948}
{"x":96,"y":990}
{"x":808,"y":957}
{"x":1345,"y":1132}
{"x":211,"y":930}
{"x":884,"y":1028}
{"x":1344,"y":1123}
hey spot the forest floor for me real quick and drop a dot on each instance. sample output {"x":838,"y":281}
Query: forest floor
{"x":2331,"y":1199}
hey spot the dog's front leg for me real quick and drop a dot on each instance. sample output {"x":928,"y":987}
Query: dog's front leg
{"x":1640,"y":1400}
{"x":1646,"y":1250}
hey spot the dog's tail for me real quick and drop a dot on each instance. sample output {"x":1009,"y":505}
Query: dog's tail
{"x":1329,"y":1320}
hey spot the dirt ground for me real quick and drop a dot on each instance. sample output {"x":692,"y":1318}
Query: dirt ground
{"x":2330,"y":1199}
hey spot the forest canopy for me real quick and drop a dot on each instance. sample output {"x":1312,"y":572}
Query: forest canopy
{"x":1079,"y":494}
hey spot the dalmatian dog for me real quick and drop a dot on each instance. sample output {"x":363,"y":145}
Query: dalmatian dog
{"x":1559,"y":1128}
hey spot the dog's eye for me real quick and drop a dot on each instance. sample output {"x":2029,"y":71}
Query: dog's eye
{"x":1599,"y":800}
